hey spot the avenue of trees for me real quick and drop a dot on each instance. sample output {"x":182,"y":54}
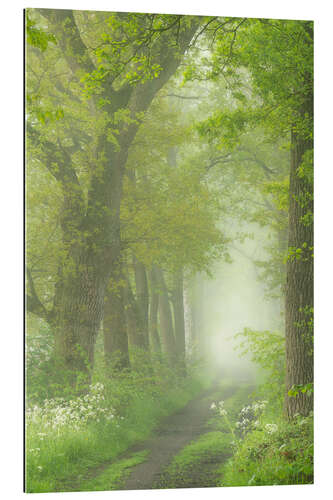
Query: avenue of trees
{"x":152,"y":143}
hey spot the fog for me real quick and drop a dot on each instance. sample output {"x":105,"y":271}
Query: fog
{"x":235,"y":298}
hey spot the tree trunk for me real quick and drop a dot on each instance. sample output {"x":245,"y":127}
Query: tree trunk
{"x":78,"y":314}
{"x":178,"y":310}
{"x":165,"y":315}
{"x":114,"y":324}
{"x":142,"y":298}
{"x":154,"y":338}
{"x":136,"y":334}
{"x":299,"y":285}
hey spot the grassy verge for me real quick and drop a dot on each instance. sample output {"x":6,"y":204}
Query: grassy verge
{"x":284,"y":456}
{"x":113,"y":476}
{"x":66,"y":439}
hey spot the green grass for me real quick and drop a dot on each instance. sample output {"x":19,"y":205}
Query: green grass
{"x":284,"y":457}
{"x":56,"y":461}
{"x":196,"y":463}
{"x":113,"y":476}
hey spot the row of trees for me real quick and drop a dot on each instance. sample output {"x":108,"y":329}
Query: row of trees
{"x":126,"y":197}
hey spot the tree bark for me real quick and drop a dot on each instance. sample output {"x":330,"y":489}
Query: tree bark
{"x":154,"y":338}
{"x":299,"y":283}
{"x":136,"y":334}
{"x":165,"y":315}
{"x":142,"y":298}
{"x":178,"y":310}
{"x":78,"y":313}
{"x":114,"y":324}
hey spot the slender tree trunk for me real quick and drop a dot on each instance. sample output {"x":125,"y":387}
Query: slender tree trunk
{"x":178,"y":310}
{"x":114,"y":323}
{"x":142,"y":298}
{"x":299,"y":285}
{"x":136,"y":334}
{"x":165,"y":315}
{"x":154,"y":338}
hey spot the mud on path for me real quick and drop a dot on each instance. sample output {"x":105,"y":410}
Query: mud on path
{"x":172,"y":435}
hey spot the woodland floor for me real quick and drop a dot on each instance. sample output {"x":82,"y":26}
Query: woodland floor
{"x":173,"y":434}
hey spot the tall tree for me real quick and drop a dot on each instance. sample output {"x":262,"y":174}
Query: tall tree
{"x":278,"y":56}
{"x":120,"y":84}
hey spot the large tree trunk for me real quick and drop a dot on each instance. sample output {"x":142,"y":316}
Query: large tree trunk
{"x":78,"y":313}
{"x":154,"y":338}
{"x":178,"y":310}
{"x":299,"y":286}
{"x":165,"y":315}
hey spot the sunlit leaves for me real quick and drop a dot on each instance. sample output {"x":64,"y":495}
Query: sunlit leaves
{"x":37,"y":37}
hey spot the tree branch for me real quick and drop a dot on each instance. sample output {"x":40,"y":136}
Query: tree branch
{"x":69,"y":39}
{"x":34,"y":305}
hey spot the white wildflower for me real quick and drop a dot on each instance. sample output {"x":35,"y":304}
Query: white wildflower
{"x":271,"y":428}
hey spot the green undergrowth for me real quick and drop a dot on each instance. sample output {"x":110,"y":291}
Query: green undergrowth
{"x":233,"y":404}
{"x":269,"y":449}
{"x":113,"y":476}
{"x":281,"y":457}
{"x":65,"y":439}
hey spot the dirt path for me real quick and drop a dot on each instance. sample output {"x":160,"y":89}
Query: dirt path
{"x":173,"y":434}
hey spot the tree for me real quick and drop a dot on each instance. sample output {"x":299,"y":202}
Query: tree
{"x":115,"y":78}
{"x":278,"y":56}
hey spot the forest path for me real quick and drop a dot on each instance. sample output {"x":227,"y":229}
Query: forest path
{"x":173,"y":434}
{"x":145,"y":465}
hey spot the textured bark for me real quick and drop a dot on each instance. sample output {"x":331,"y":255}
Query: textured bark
{"x":78,"y":315}
{"x":165,"y":315}
{"x":154,"y":338}
{"x":299,"y":285}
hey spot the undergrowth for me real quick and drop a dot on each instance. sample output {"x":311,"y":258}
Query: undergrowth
{"x":276,"y":454}
{"x":269,"y":449}
{"x":66,"y":437}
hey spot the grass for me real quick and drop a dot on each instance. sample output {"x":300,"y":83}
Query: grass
{"x":56,"y":459}
{"x":113,"y":476}
{"x":198,"y":463}
{"x":284,"y":457}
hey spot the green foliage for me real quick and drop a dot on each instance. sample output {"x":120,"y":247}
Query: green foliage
{"x":279,"y":453}
{"x":267,"y":349}
{"x":36,"y":36}
{"x":299,"y":388}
